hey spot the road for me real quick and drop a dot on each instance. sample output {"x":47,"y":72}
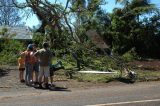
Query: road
{"x":138,"y":94}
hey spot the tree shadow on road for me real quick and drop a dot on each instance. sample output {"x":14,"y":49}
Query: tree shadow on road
{"x":60,"y":89}
{"x":3,"y":72}
{"x":55,"y":88}
{"x":125,"y":80}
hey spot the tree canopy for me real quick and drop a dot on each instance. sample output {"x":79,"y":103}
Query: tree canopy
{"x":135,"y":26}
{"x":9,"y":15}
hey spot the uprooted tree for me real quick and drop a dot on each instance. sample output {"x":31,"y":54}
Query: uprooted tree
{"x":67,"y":22}
{"x":124,"y":29}
{"x":53,"y":17}
{"x":66,"y":25}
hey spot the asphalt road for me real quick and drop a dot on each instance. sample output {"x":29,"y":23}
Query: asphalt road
{"x":138,"y":94}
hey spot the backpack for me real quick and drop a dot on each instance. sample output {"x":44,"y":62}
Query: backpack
{"x":29,"y":57}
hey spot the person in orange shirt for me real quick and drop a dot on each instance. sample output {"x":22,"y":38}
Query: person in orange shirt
{"x":35,"y":65}
{"x":21,"y":67}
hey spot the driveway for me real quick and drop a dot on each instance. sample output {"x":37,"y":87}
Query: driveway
{"x":13,"y":93}
{"x":139,"y":94}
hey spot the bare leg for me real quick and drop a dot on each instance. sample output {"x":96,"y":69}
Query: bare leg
{"x":20,"y":75}
{"x":46,"y":80}
{"x":51,"y":78}
{"x":36,"y":76}
{"x":40,"y":79}
{"x":21,"y":72}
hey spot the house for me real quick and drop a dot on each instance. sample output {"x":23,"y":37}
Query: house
{"x":102,"y":47}
{"x":16,"y":32}
{"x":96,"y":39}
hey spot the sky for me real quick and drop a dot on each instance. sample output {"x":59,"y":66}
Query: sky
{"x":33,"y":21}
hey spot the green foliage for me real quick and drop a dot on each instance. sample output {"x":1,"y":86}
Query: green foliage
{"x":3,"y":32}
{"x":96,"y":78}
{"x":130,"y":28}
{"x":38,"y":38}
{"x":102,"y":63}
{"x":130,"y":55}
{"x":10,"y":51}
{"x":147,"y":75}
{"x":68,"y":62}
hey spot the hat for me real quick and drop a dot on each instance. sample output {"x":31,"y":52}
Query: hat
{"x":30,"y":47}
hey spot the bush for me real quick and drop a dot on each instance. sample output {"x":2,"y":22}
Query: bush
{"x":10,"y":51}
{"x":130,"y":55}
{"x":38,"y":38}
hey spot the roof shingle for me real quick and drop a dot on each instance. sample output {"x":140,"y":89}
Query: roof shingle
{"x":21,"y":33}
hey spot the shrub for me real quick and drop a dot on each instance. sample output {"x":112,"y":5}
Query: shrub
{"x":130,"y":55}
{"x":38,"y":38}
{"x":10,"y":51}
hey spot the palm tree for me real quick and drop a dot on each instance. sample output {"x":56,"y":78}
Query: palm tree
{"x":126,"y":23}
{"x":123,"y":2}
{"x":137,"y":7}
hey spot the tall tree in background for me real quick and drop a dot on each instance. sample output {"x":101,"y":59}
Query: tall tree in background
{"x":89,"y":15}
{"x":126,"y":26}
{"x":9,"y":15}
{"x":131,"y":27}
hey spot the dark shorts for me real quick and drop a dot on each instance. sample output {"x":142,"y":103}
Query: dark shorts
{"x":21,"y":69}
{"x":36,"y":67}
{"x":52,"y":70}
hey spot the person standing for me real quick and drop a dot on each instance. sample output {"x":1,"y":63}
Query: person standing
{"x":45,"y":56}
{"x":29,"y":60}
{"x":35,"y":65}
{"x":21,"y":68}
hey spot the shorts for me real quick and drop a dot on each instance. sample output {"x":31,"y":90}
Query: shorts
{"x":52,"y":70}
{"x":21,"y":69}
{"x":36,"y":67}
{"x":44,"y":70}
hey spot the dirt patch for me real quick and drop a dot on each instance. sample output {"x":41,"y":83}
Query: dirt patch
{"x":10,"y":83}
{"x":3,"y":72}
{"x":153,"y":65}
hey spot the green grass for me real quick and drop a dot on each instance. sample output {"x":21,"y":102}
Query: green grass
{"x":95,"y":77}
{"x":148,"y":75}
{"x":71,"y":72}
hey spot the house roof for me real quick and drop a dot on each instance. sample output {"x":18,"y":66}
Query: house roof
{"x":96,"y":39}
{"x":20,"y":32}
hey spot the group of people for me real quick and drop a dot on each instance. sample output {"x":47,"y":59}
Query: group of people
{"x":37,"y":65}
